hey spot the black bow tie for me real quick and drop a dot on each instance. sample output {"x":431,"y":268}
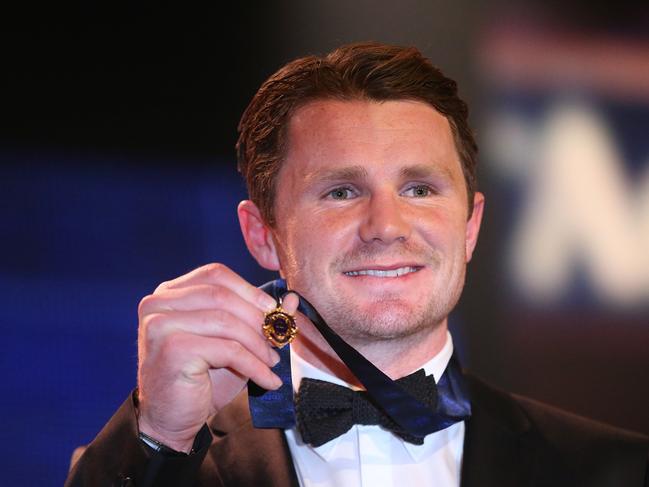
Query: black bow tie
{"x":325,"y":411}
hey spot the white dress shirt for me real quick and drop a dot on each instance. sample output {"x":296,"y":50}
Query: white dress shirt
{"x":370,"y":456}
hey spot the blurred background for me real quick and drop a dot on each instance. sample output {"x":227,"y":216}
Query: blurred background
{"x":117,"y":130}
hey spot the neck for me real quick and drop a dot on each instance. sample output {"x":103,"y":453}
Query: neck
{"x":395,"y":357}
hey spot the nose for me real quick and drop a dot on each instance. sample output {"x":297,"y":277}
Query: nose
{"x":385,"y":220}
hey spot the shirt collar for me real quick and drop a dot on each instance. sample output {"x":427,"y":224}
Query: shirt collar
{"x":300,"y":369}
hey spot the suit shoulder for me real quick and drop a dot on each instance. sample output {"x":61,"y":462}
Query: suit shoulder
{"x":517,"y":408}
{"x":582,"y":443}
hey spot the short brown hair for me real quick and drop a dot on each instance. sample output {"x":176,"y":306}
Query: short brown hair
{"x":364,"y":71}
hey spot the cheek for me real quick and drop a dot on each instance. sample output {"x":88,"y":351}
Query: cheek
{"x":301,"y":247}
{"x":331,"y":223}
{"x":443,"y":230}
{"x":315,"y":245}
{"x":433,"y":223}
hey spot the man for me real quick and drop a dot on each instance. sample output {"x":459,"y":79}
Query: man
{"x":361,"y":172}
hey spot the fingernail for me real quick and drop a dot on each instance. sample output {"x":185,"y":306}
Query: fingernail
{"x":274,"y":357}
{"x":277,"y":382}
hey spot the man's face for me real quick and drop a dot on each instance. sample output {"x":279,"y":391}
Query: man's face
{"x":371,"y":213}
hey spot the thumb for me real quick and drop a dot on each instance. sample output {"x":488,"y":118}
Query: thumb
{"x":290,"y":302}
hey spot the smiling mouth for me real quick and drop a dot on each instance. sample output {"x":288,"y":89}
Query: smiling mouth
{"x":400,"y":271}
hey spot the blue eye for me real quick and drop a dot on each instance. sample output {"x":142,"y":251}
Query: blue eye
{"x":341,"y":194}
{"x":418,"y":191}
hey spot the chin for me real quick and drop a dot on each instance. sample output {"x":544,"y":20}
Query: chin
{"x":386,"y":321}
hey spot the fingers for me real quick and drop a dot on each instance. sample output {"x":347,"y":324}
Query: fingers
{"x":221,"y":275}
{"x":210,"y":310}
{"x":290,"y":302}
{"x":212,"y":302}
{"x":214,"y":323}
{"x":202,"y":297}
{"x":201,"y":354}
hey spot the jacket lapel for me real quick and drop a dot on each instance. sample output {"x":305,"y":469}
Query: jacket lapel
{"x":246,"y":455}
{"x":497,"y":449}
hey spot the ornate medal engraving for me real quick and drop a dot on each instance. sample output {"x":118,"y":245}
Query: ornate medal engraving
{"x":279,"y":327}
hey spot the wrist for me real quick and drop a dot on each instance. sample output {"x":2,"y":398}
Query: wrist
{"x":174,"y":443}
{"x":159,"y":447}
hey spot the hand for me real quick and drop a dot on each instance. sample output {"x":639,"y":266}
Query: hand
{"x":199,"y":342}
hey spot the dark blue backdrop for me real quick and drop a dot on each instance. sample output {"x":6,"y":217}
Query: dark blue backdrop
{"x":83,"y":240}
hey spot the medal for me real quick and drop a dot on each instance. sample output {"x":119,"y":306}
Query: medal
{"x":279,"y":327}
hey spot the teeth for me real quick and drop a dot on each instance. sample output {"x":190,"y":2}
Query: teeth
{"x":381,"y":273}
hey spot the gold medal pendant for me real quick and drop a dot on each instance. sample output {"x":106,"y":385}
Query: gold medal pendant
{"x":279,"y":327}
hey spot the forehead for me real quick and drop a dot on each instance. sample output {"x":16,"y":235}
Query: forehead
{"x":390,"y":133}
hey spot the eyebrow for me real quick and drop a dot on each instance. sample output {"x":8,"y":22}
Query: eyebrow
{"x":359,"y":173}
{"x":349,"y":173}
{"x":422,"y":171}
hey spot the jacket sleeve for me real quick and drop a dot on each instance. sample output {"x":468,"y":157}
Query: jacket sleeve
{"x":118,"y":458}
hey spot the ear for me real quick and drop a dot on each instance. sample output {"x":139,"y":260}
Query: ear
{"x":257,"y":235}
{"x":473,"y":225}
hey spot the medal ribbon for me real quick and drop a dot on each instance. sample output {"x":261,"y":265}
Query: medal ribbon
{"x":274,"y":409}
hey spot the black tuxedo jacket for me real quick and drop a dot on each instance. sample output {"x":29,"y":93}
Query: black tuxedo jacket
{"x":510,"y":441}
